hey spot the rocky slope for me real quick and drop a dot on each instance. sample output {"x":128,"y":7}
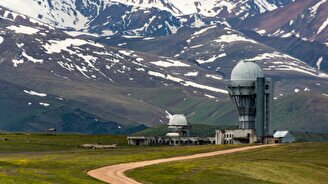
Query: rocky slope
{"x":303,"y":19}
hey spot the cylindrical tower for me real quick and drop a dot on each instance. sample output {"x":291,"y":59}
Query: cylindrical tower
{"x":242,"y":90}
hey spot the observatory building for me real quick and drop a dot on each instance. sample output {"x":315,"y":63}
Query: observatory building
{"x":178,"y":126}
{"x":252,"y":95}
{"x":178,"y":133}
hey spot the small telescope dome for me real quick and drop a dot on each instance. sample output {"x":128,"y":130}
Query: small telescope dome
{"x":178,"y":120}
{"x":246,"y":71}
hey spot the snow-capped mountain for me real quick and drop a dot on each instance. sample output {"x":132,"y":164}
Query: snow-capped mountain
{"x":202,"y":62}
{"x":208,"y":8}
{"x":103,"y":81}
{"x":70,"y":57}
{"x":115,"y":64}
{"x":218,"y":48}
{"x":136,"y":17}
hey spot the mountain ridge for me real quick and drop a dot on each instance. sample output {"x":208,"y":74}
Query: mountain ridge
{"x":131,"y":77}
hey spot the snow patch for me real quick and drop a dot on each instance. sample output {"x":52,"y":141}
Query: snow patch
{"x":264,"y":5}
{"x":23,"y":29}
{"x":213,"y":77}
{"x":323,"y":26}
{"x":209,"y":96}
{"x":319,"y":62}
{"x":30,"y":58}
{"x":170,"y":63}
{"x":261,"y":32}
{"x":107,"y":33}
{"x":191,"y":74}
{"x":33,"y":93}
{"x":187,"y":83}
{"x":17,"y":62}
{"x":314,"y":8}
{"x":198,"y":23}
{"x":156,"y":74}
{"x":44,"y":104}
{"x":212,"y":59}
{"x":140,"y":69}
{"x":57,"y":46}
{"x":203,"y":30}
{"x":126,"y":52}
{"x":148,"y":38}
{"x":233,"y":38}
{"x":77,"y":33}
{"x":131,"y":36}
{"x":196,"y":46}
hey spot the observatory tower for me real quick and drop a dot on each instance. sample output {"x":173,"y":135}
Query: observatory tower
{"x":252,"y":94}
{"x":178,"y":126}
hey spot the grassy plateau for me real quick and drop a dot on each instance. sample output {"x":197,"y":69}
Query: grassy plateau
{"x":290,"y":163}
{"x":40,"y":158}
{"x":43,"y":158}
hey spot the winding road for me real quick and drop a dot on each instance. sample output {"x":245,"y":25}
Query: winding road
{"x":115,"y":174}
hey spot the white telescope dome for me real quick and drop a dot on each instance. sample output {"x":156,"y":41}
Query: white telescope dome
{"x":246,"y":71}
{"x":178,"y":120}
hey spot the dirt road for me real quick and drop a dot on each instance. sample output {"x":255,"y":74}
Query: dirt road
{"x":115,"y":174}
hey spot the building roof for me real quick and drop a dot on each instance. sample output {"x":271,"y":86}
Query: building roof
{"x":178,"y":120}
{"x":246,"y":71}
{"x":278,"y":134}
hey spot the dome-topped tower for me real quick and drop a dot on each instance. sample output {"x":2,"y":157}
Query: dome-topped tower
{"x":178,"y":126}
{"x":252,"y":94}
{"x":178,"y":120}
{"x":246,"y":71}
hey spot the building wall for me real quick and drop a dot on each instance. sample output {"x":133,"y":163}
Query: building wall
{"x":173,"y":141}
{"x":289,"y":138}
{"x":183,"y":131}
{"x":237,"y":136}
{"x":219,"y":137}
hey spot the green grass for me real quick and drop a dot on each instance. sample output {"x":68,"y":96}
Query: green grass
{"x":38,"y":158}
{"x":22,"y":142}
{"x":290,"y":163}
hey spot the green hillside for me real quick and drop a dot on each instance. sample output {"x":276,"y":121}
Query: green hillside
{"x":300,"y":163}
{"x":118,"y":110}
{"x":300,"y":112}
